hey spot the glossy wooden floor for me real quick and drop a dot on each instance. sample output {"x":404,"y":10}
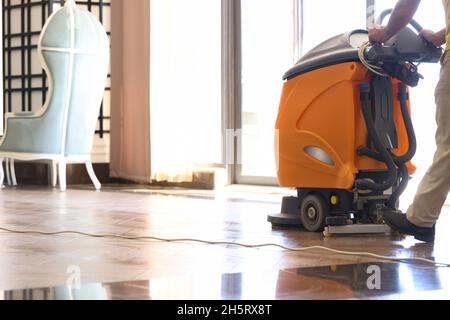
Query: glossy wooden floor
{"x":319,"y":283}
{"x":144,"y":269}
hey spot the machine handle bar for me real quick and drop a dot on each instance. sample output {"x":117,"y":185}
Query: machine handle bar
{"x":387,"y":12}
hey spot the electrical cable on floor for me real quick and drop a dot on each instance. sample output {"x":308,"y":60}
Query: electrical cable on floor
{"x":237,"y":244}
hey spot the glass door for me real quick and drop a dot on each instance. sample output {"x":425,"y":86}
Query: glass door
{"x":268,"y":49}
{"x":323,"y":19}
{"x":274,"y":35}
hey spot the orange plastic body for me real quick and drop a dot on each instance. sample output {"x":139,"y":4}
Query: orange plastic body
{"x":322,"y":109}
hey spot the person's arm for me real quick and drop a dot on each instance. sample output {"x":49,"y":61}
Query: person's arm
{"x":401,"y":16}
{"x":436,"y":38}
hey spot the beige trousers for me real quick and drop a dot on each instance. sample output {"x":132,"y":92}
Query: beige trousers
{"x":435,"y":186}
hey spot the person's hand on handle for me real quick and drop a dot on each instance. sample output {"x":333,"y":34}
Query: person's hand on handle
{"x":378,"y":35}
{"x":400,"y":17}
{"x":435,"y":38}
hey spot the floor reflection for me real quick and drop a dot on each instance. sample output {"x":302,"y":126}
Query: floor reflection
{"x":369,"y":280}
{"x":353,"y":281}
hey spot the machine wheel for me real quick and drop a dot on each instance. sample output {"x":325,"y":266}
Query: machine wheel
{"x":314,"y":211}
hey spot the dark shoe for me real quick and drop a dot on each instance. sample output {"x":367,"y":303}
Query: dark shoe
{"x":399,"y":222}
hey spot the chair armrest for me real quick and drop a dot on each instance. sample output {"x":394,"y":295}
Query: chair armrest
{"x":25,"y":115}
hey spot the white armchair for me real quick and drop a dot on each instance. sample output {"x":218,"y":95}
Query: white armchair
{"x":74,"y":52}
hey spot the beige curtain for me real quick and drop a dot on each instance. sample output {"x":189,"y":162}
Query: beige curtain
{"x":130,"y":85}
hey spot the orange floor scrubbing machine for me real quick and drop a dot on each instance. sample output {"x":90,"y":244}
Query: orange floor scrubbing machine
{"x":345,"y":139}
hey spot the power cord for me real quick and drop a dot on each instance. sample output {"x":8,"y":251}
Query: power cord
{"x":375,"y":69}
{"x":237,"y":244}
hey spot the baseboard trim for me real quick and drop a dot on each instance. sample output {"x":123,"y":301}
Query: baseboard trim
{"x":38,"y":173}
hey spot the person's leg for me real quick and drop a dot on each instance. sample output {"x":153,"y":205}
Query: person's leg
{"x":435,"y":186}
{"x":420,"y":220}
